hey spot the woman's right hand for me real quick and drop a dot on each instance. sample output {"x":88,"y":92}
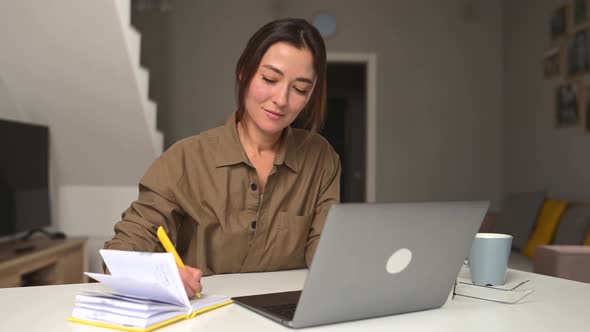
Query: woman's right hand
{"x":191,"y":278}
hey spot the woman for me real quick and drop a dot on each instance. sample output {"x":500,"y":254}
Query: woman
{"x":252,"y":195}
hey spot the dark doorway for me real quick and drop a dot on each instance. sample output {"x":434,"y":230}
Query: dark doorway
{"x":345,"y":126}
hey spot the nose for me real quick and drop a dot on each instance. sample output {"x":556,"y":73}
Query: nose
{"x":281,"y":96}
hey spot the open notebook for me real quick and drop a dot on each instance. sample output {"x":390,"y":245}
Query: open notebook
{"x":147,"y":293}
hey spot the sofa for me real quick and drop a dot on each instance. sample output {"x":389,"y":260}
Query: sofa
{"x":550,"y":236}
{"x":563,"y":261}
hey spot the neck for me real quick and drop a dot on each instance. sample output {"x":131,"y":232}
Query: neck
{"x":255,"y":140}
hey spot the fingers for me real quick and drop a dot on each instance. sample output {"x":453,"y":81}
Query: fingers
{"x":191,"y":278}
{"x":191,"y":284}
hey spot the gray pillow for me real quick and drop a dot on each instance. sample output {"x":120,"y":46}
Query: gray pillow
{"x":519,"y":215}
{"x":573,"y":226}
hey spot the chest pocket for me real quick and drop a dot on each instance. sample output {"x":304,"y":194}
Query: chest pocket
{"x":291,"y":240}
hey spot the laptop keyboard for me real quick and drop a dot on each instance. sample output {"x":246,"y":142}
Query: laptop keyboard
{"x":283,"y":310}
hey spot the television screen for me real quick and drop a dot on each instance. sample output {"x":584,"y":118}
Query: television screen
{"x":24,"y":177}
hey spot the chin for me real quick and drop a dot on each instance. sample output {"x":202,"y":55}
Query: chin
{"x":272,"y":128}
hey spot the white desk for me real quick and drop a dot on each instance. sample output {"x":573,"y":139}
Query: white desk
{"x":556,"y":305}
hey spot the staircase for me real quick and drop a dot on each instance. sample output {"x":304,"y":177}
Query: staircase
{"x":74,"y":65}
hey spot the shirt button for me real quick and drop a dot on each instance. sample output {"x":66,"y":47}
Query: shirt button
{"x":253,"y":186}
{"x":253,"y":225}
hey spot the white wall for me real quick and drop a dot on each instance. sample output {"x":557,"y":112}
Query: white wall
{"x":92,"y":211}
{"x":439,"y":83}
{"x":536,"y":155}
{"x":8,"y":108}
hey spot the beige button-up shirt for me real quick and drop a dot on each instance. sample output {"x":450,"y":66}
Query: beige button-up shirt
{"x":204,"y":192}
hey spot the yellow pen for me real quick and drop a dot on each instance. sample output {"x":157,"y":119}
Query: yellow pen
{"x":170,"y":248}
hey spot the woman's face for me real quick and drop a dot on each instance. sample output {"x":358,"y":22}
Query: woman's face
{"x":280,"y":88}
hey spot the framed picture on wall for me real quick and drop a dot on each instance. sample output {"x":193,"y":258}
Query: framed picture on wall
{"x":559,"y":23}
{"x":578,"y":56}
{"x":568,"y":102}
{"x":553,"y":62}
{"x":580,"y":12}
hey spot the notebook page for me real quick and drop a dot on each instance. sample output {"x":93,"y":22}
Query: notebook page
{"x":130,"y":312}
{"x":121,"y":302}
{"x":131,"y":287}
{"x":126,"y":321}
{"x":148,"y":268}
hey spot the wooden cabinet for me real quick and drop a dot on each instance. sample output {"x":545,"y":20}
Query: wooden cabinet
{"x":41,"y":261}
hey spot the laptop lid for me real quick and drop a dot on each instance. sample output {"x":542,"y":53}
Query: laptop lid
{"x":383,"y":259}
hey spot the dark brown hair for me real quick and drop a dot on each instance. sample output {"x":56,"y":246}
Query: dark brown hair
{"x":302,"y":35}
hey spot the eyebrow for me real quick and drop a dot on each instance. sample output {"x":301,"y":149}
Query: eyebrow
{"x":278,"y":71}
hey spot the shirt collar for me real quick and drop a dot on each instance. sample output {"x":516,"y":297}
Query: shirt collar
{"x":288,"y":151}
{"x":231,"y":152}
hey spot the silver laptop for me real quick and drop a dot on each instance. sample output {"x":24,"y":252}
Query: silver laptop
{"x":378,"y":260}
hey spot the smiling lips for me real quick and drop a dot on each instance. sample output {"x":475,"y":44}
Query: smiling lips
{"x":274,"y":115}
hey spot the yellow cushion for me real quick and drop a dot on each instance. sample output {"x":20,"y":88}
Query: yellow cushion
{"x":546,"y":225}
{"x":587,"y":241}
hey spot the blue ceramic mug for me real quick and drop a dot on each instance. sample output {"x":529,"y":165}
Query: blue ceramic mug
{"x":488,"y":258}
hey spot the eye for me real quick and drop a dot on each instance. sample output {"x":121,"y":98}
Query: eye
{"x":300,"y":91}
{"x":268,"y":80}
